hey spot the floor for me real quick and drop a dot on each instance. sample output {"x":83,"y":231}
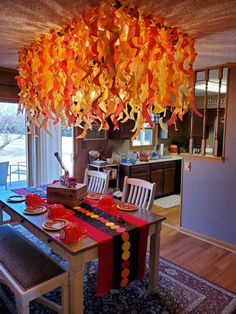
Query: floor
{"x":204,"y":259}
{"x":172,"y":214}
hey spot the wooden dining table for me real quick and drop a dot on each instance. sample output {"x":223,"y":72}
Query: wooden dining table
{"x":80,"y":253}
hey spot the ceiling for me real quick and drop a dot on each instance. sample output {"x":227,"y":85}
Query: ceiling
{"x":211,"y":22}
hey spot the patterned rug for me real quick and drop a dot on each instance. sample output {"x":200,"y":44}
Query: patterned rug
{"x":180,"y":291}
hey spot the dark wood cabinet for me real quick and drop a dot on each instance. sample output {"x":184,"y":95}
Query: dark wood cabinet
{"x":157,"y":177}
{"x":169,"y":180}
{"x":161,"y":173}
{"x":123,"y":133}
{"x":180,"y":129}
{"x":142,"y":175}
{"x":140,"y":172}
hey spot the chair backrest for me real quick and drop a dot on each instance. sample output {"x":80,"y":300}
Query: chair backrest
{"x":97,"y":181}
{"x":3,"y":173}
{"x":139,"y":192}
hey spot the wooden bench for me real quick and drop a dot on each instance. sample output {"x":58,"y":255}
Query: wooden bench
{"x":29,"y":272}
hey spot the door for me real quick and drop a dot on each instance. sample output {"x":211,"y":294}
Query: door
{"x":157,"y":177}
{"x":169,"y":180}
{"x":13,"y":144}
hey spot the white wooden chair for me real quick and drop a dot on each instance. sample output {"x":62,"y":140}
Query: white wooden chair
{"x":139,"y":192}
{"x":97,"y":181}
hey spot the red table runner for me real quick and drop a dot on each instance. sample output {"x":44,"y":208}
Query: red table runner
{"x":122,"y":245}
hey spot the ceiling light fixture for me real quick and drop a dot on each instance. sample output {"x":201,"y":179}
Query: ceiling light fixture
{"x":112,"y":61}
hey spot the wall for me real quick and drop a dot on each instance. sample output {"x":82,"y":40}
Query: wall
{"x":119,"y":146}
{"x":209,"y":194}
{"x":8,"y":86}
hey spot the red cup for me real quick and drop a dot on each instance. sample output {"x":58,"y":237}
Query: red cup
{"x":107,"y":200}
{"x":56,"y":211}
{"x":33,"y":200}
{"x":71,"y":233}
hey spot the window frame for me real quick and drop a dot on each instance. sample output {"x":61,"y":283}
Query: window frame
{"x":146,"y":147}
{"x":203,"y":154}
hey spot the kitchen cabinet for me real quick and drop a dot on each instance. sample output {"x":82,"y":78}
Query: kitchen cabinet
{"x":140,"y":172}
{"x":169,"y":180}
{"x":162,"y":173}
{"x":123,"y":133}
{"x":157,"y":177}
{"x":180,"y":129}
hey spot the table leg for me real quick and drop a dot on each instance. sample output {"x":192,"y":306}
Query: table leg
{"x":76,"y":290}
{"x":154,"y":259}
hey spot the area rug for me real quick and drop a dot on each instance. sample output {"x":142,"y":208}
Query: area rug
{"x":168,"y":201}
{"x":180,"y":291}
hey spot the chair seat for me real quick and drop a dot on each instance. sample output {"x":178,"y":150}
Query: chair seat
{"x":24,"y":260}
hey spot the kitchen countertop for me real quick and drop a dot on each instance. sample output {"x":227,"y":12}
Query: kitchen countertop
{"x":162,"y":159}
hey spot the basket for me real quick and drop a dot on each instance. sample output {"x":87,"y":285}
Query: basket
{"x":144,"y":158}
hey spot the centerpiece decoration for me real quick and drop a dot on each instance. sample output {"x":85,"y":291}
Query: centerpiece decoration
{"x":112,"y":61}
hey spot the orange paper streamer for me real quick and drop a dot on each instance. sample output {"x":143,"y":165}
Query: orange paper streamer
{"x":111,"y":61}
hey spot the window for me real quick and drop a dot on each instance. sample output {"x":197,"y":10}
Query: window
{"x":145,"y":140}
{"x":207,"y":130}
{"x":67,"y":148}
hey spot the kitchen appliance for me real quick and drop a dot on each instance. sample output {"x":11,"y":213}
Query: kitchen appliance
{"x":161,"y":149}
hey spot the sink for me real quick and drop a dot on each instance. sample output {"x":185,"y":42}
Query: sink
{"x":165,"y":157}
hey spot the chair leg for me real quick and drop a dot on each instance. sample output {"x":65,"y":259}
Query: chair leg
{"x":22,"y":307}
{"x":65,"y":298}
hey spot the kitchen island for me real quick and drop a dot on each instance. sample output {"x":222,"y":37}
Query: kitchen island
{"x":164,"y":171}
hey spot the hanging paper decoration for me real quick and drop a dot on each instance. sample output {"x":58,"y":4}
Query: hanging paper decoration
{"x":113,"y":61}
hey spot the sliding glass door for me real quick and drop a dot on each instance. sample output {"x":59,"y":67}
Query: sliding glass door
{"x":13,"y":144}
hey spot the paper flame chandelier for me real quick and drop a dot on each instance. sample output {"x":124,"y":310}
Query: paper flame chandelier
{"x":113,"y":61}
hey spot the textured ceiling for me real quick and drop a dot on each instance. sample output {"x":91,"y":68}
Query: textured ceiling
{"x":211,"y":22}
